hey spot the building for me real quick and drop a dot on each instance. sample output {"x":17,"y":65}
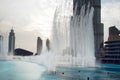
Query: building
{"x":22,"y":52}
{"x":112,"y":47}
{"x":1,"y":44}
{"x":48,"y":44}
{"x":113,"y":34}
{"x":98,"y":26}
{"x":39,"y":46}
{"x":11,"y":44}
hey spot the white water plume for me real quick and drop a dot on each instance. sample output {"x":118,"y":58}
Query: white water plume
{"x":73,"y":37}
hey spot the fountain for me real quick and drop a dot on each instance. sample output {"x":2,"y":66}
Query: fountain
{"x":3,"y":47}
{"x":72,"y":42}
{"x":73,"y":37}
{"x":70,"y":54}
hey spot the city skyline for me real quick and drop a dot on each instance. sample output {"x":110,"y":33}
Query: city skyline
{"x":28,"y":20}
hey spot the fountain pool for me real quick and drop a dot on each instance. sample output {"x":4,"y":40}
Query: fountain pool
{"x":19,"y":70}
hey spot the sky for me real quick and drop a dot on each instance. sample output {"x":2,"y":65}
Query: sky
{"x":33,"y":18}
{"x":110,"y":11}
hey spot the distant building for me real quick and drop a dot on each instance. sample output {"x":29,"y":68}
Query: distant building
{"x":114,"y":34}
{"x":112,"y":47}
{"x":22,"y":52}
{"x":39,"y":46}
{"x":48,"y":44}
{"x":11,"y":45}
{"x":1,"y":44}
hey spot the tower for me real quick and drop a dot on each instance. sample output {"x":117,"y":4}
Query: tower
{"x":39,"y":45}
{"x":48,"y":44}
{"x":11,"y":42}
{"x":97,"y":25}
{"x":1,"y":44}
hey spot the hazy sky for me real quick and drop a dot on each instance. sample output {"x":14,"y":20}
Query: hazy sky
{"x":32,"y":18}
{"x":110,"y":15}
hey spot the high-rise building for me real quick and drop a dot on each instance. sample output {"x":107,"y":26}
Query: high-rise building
{"x":48,"y":44}
{"x":113,"y":34}
{"x":1,"y":44}
{"x":112,"y":47}
{"x":39,"y":45}
{"x":11,"y":42}
{"x":97,"y":25}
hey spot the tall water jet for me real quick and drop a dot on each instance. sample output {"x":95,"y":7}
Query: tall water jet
{"x":82,"y":37}
{"x":73,"y":37}
{"x":60,"y":36}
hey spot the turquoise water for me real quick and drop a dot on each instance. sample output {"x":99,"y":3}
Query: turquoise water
{"x":104,"y":72}
{"x":19,"y":70}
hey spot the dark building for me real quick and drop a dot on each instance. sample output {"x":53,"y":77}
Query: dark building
{"x":113,"y":34}
{"x":98,"y":26}
{"x":22,"y":52}
{"x":11,"y":42}
{"x":112,"y":47}
{"x":1,"y":44}
{"x":39,"y":46}
{"x":48,"y":44}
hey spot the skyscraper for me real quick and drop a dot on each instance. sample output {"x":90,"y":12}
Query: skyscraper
{"x":48,"y":44}
{"x":112,"y":47}
{"x":98,"y":26}
{"x":11,"y":42}
{"x":39,"y":45}
{"x":1,"y":44}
